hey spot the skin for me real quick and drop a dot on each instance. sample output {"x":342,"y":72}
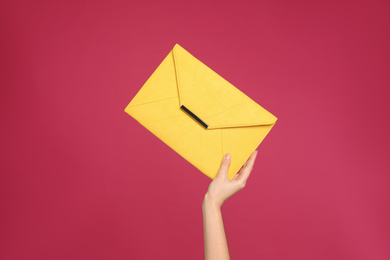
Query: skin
{"x":219,"y":190}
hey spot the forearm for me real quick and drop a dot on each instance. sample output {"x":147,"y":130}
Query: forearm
{"x":215,"y":244}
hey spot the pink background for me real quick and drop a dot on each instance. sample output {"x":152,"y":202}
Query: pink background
{"x":81,"y":179}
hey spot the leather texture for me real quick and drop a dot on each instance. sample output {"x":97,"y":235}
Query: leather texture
{"x":236,"y":123}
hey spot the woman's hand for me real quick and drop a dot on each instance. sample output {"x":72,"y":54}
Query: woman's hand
{"x":222,"y":188}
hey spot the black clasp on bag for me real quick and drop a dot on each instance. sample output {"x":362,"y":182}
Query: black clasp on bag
{"x":194,"y":116}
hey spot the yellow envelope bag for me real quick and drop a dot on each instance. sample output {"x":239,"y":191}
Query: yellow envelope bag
{"x":199,"y":114}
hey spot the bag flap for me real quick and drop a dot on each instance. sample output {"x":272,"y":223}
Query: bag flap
{"x":213,"y":99}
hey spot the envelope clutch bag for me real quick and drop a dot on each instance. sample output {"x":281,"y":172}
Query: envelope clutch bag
{"x":199,"y":114}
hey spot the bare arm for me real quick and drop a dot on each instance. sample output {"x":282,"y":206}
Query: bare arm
{"x":215,"y":244}
{"x":219,"y":190}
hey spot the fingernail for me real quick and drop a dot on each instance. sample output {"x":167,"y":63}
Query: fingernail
{"x":228,"y":156}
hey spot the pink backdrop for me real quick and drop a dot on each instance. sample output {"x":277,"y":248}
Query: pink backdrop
{"x":81,"y":179}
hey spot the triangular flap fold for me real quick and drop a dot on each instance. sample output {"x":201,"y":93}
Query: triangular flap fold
{"x":212,"y":98}
{"x":246,"y":114}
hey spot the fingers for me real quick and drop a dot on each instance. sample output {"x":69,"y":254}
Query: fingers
{"x":238,"y":174}
{"x":246,"y":169}
{"x":225,"y":165}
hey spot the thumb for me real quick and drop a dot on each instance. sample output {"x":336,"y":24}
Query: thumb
{"x":225,"y":165}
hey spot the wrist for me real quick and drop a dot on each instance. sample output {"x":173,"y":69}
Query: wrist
{"x":209,"y":201}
